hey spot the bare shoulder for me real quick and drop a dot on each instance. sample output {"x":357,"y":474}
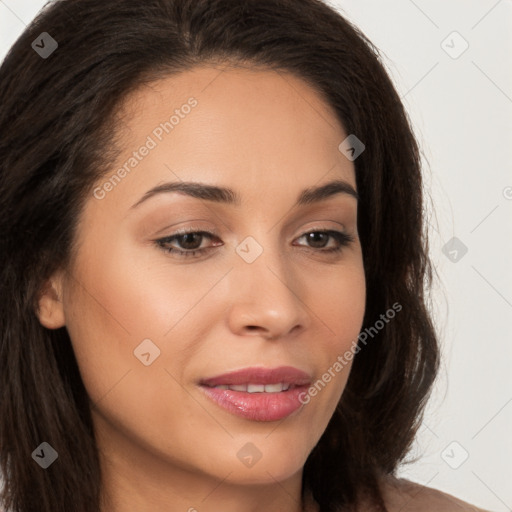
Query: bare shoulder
{"x":401,"y":495}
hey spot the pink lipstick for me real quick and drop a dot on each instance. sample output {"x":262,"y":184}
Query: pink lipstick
{"x":258,"y":394}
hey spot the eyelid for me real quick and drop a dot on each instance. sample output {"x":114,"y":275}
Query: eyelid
{"x":191,"y":227}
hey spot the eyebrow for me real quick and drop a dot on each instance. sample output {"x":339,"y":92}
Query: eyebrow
{"x":228,"y":196}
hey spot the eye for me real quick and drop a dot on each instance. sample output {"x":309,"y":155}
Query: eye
{"x":318,"y":238}
{"x":190,"y":241}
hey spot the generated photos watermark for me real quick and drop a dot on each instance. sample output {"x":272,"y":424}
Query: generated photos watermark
{"x":348,"y":355}
{"x":152,"y":141}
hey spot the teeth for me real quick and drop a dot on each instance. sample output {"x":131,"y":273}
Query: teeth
{"x":257,"y":388}
{"x":238,"y":387}
{"x":273,"y":388}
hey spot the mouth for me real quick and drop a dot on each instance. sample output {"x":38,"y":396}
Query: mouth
{"x":258,"y":388}
{"x":258,"y":394}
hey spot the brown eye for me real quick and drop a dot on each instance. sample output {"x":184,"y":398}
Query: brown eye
{"x":186,"y":243}
{"x":189,"y":241}
{"x":318,"y":240}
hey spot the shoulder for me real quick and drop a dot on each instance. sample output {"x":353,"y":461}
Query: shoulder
{"x":401,"y":495}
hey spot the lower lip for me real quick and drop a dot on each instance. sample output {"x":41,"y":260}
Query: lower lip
{"x":257,"y":406}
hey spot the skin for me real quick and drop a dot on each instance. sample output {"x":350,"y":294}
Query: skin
{"x":163,"y":444}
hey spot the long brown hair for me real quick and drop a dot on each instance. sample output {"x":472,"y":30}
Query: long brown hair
{"x":57,"y":122}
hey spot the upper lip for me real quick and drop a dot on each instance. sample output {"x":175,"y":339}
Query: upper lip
{"x":259,"y":375}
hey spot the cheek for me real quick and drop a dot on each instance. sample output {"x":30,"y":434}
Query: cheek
{"x":339,"y":301}
{"x":109,"y":316}
{"x":339,"y":306}
{"x":109,"y":311}
{"x":119,"y":299}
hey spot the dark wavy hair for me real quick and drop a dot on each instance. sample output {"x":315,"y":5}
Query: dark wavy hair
{"x":58,"y":124}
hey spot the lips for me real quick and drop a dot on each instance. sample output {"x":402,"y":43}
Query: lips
{"x":258,"y":394}
{"x":284,"y":374}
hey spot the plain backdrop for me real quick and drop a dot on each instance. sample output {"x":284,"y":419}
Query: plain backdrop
{"x":451,"y":63}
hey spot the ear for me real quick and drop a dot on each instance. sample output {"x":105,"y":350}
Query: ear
{"x":50,"y":306}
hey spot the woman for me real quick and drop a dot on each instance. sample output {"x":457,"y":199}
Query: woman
{"x":214,"y":265}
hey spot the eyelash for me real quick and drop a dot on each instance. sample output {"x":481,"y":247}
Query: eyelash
{"x":343,"y":240}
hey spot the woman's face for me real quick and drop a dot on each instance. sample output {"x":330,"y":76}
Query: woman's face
{"x":148,"y":326}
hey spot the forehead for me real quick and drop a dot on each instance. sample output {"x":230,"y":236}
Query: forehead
{"x":257,"y":131}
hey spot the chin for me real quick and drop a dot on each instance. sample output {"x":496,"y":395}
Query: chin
{"x":262,"y":462}
{"x":264,"y":475}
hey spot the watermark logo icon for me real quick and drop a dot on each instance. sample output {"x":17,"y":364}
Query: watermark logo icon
{"x":249,"y":454}
{"x":351,"y":147}
{"x":454,"y":249}
{"x":454,"y":455}
{"x":44,"y":45}
{"x":146,"y":352}
{"x":454,"y":45}
{"x":45,"y":455}
{"x":249,"y":249}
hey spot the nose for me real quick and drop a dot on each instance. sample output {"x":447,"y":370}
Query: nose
{"x":267,"y":297}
